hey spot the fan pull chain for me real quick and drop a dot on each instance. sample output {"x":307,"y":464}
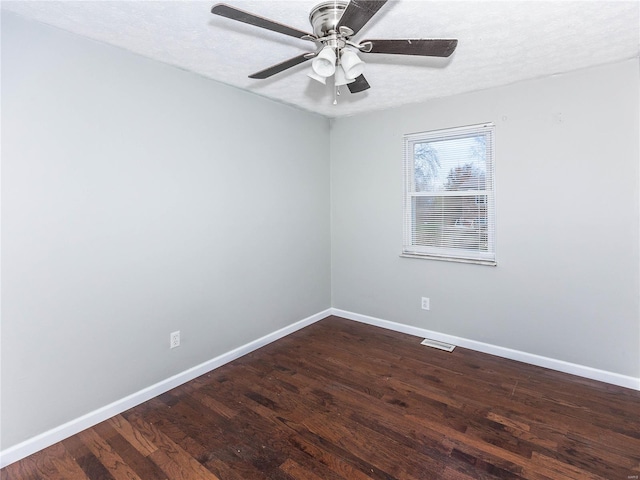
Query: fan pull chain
{"x":335,"y":95}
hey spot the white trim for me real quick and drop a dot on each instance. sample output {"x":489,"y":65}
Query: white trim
{"x":48,"y":438}
{"x":551,"y":363}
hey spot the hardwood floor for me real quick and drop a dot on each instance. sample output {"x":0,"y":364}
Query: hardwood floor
{"x":343,"y":400}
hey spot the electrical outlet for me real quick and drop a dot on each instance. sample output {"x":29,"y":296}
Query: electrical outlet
{"x":425,"y":303}
{"x":174,"y":339}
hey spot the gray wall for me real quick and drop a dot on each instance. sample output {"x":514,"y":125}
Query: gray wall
{"x":566,"y":285}
{"x":138,"y":199}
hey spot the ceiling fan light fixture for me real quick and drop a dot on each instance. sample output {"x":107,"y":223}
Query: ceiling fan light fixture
{"x":317,"y":78}
{"x":324,"y":64}
{"x":341,"y":77}
{"x":351,"y":63}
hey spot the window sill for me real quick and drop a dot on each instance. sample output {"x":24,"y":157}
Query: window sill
{"x":491,"y":263}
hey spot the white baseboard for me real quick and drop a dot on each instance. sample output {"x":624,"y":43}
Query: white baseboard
{"x":46,"y":439}
{"x":551,"y":363}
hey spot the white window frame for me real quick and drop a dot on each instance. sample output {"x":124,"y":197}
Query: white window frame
{"x":410,"y":248}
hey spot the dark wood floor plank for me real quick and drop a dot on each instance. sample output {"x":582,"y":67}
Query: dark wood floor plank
{"x":306,"y":413}
{"x":356,"y":406}
{"x":139,"y":463}
{"x":279,"y":436}
{"x":64,"y":464}
{"x":319,"y":406}
{"x":340,"y":400}
{"x":107,"y":456}
{"x":582,"y":416}
{"x":206,"y":430}
{"x":173,"y":459}
{"x":132,"y":435}
{"x":298,"y":472}
{"x":23,"y":470}
{"x":86,"y":460}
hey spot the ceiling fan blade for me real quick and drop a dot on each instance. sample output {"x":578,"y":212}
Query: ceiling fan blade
{"x":360,"y":85}
{"x":280,"y":67}
{"x":358,"y":13}
{"x":241,"y":16}
{"x":405,"y":46}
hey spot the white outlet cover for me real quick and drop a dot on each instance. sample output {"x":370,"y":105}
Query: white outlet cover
{"x":174,"y":339}
{"x":425,"y":303}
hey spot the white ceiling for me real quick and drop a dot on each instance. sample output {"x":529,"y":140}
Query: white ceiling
{"x":500,"y":42}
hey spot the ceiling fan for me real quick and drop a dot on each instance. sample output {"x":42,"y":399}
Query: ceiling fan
{"x":334,"y":24}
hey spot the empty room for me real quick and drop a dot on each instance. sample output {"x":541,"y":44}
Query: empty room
{"x":307,"y":240}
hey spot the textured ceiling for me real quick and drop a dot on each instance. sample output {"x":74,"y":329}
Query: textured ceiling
{"x":500,"y":42}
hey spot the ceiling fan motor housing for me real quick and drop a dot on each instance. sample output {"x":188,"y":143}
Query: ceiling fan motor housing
{"x":325,"y":16}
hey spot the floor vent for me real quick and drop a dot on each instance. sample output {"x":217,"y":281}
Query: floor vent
{"x":439,"y":345}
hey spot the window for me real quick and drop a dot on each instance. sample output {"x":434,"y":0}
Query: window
{"x":449,"y":195}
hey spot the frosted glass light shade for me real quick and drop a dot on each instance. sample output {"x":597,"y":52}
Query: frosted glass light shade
{"x":317,"y":78}
{"x":341,"y":78}
{"x":353,"y":66}
{"x":324,"y":64}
